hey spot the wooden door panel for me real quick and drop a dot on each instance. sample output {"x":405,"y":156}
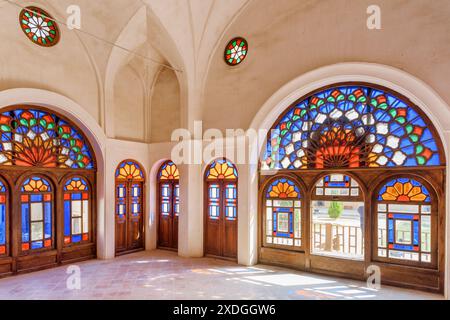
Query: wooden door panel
{"x":230,"y":239}
{"x":213,"y":243}
{"x":164,"y":223}
{"x":175,"y":233}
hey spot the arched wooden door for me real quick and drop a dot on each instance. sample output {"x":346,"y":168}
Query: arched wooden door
{"x":169,"y":205}
{"x":130,"y":182}
{"x":221,"y":214}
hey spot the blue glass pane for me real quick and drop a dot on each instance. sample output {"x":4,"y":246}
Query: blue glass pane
{"x":67,"y":218}
{"x":48,"y":220}
{"x":36,"y":198}
{"x":2,"y":224}
{"x":25,"y":222}
{"x":76,"y":238}
{"x":76,"y":196}
{"x":37,"y":245}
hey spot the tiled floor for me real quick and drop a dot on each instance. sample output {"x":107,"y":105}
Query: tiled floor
{"x":163,"y":275}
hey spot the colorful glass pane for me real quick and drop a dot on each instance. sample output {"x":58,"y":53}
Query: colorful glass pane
{"x":39,"y":26}
{"x":121,"y":199}
{"x":2,"y":218}
{"x":404,"y":190}
{"x":76,"y":211}
{"x":404,"y":221}
{"x":36,"y":184}
{"x":36,"y":207}
{"x":222,"y":169}
{"x":283,"y":189}
{"x":129,"y":170}
{"x":35,"y":138}
{"x":236,"y":51}
{"x":76,"y":184}
{"x":214,"y":201}
{"x":231,"y":201}
{"x":351,"y":127}
{"x":169,"y":171}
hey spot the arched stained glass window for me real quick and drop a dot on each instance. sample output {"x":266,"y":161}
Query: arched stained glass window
{"x":283,"y":214}
{"x":352,"y":126}
{"x":3,"y":217}
{"x":76,"y":211}
{"x":406,"y":222}
{"x":39,"y":26}
{"x":130,"y":180}
{"x":236,"y":51}
{"x":37,"y":214}
{"x":37,"y":138}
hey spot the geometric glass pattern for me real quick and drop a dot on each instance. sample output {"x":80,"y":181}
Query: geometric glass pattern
{"x":221,"y":169}
{"x":129,"y":170}
{"x":37,"y":209}
{"x":351,"y":127}
{"x":36,"y":138}
{"x":169,"y":171}
{"x":3,"y":213}
{"x":404,"y":221}
{"x":39,"y":26}
{"x":236,"y":51}
{"x":283,"y":188}
{"x":76,"y":211}
{"x":404,"y":190}
{"x":337,"y":185}
{"x":283,"y":214}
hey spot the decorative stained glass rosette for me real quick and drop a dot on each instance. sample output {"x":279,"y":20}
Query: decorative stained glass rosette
{"x":236,"y":51}
{"x":39,"y":26}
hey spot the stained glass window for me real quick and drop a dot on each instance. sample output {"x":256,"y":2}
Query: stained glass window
{"x":236,"y":51}
{"x":3,"y":212}
{"x":129,"y":170}
{"x":76,"y":211}
{"x":351,"y":127}
{"x":36,"y":138}
{"x":337,"y":185}
{"x":283,"y":214}
{"x":39,"y":26}
{"x":37,"y":210}
{"x":222,"y":169}
{"x":405,"y":221}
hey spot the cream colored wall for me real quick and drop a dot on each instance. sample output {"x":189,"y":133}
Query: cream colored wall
{"x":165,"y":106}
{"x":129,"y":105}
{"x":288,"y":38}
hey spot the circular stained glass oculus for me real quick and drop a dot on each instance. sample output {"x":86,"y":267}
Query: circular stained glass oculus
{"x":39,"y":26}
{"x":236,"y":51}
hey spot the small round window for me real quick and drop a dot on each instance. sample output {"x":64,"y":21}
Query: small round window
{"x":236,"y":51}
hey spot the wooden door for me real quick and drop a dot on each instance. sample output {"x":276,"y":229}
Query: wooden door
{"x":129,"y":217}
{"x":221,"y":219}
{"x":168,"y":214}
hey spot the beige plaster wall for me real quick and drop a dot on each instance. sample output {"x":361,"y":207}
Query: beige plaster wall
{"x":165,"y":106}
{"x":288,"y":38}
